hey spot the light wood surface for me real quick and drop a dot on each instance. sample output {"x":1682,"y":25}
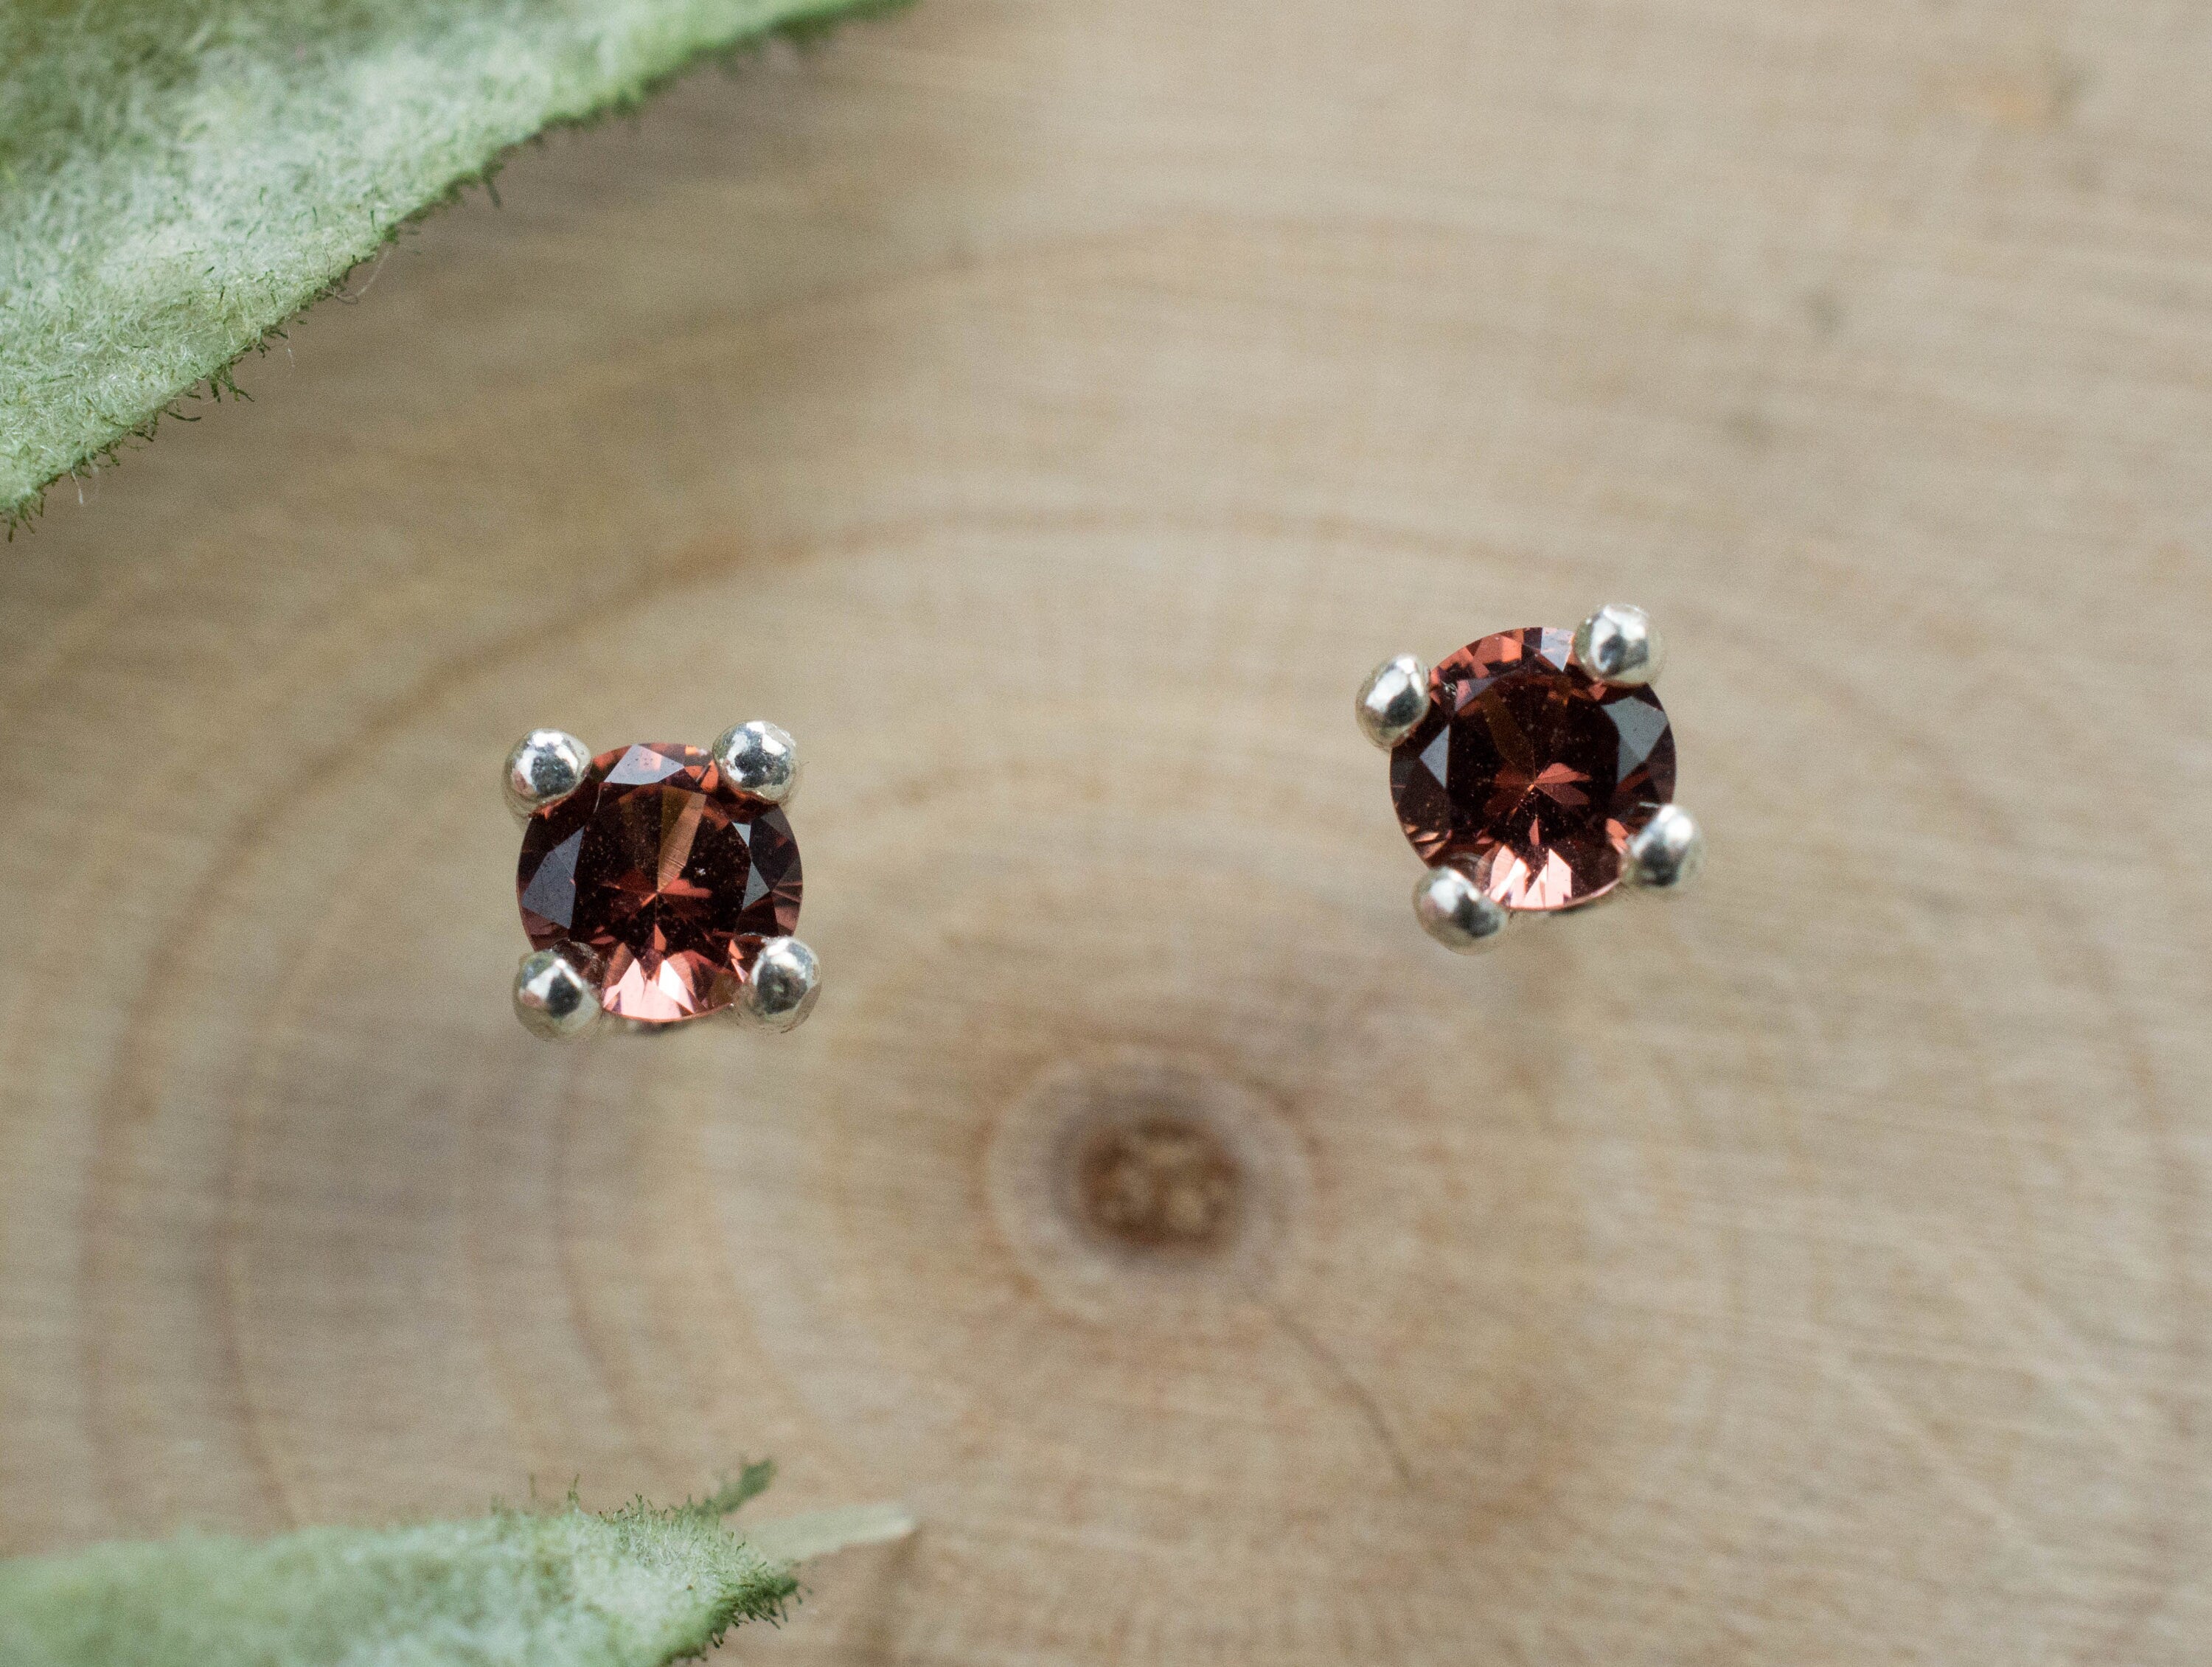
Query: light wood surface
{"x":1049,"y":412}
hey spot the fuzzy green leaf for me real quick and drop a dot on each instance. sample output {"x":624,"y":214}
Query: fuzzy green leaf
{"x":636,"y":1587}
{"x":178,"y":177}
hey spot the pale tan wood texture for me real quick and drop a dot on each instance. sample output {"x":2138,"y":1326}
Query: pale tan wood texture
{"x":1049,"y":412}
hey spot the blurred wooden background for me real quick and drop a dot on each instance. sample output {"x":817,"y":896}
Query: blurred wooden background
{"x":1050,"y":412}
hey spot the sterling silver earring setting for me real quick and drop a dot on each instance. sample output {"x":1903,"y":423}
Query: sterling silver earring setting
{"x":659,"y":884}
{"x":1533,"y":772}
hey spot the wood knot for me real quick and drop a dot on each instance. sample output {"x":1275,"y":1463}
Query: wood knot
{"x":1163,"y":1182}
{"x":1139,"y":1188}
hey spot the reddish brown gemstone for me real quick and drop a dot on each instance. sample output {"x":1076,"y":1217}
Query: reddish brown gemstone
{"x":667,"y":873}
{"x":1526,"y":775}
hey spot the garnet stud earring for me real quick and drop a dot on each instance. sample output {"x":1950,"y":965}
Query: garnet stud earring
{"x":659,"y":884}
{"x":1532,"y":771}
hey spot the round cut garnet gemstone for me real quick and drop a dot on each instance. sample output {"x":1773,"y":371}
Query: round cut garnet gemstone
{"x":1528,"y":776}
{"x":670,"y":876}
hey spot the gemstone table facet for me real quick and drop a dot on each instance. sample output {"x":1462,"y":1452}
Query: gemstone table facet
{"x":1528,"y":776}
{"x":668,"y":875}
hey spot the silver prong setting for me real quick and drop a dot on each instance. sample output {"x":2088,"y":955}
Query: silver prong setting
{"x":556,"y":993}
{"x":1618,"y":645}
{"x":1393,"y":700}
{"x":760,"y":759}
{"x":1666,"y":853}
{"x":1458,"y":913}
{"x":543,"y":768}
{"x":779,"y":991}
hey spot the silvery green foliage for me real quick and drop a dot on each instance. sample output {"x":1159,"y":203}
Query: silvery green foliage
{"x":637,"y":1587}
{"x":177,"y":180}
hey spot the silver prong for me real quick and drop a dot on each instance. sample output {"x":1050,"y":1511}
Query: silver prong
{"x":759,"y":759}
{"x":1617,"y":645}
{"x":779,"y":992}
{"x":557,"y":993}
{"x":1665,"y":853}
{"x":545,"y":767}
{"x":1458,"y":913}
{"x":1393,"y":700}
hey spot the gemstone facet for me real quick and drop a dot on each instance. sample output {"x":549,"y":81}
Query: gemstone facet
{"x":1528,"y":776}
{"x":667,"y":875}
